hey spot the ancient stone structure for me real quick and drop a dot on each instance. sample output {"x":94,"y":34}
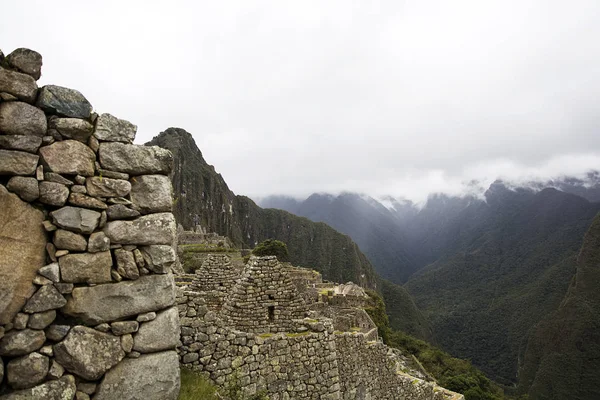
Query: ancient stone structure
{"x":294,"y":356}
{"x":86,"y":231}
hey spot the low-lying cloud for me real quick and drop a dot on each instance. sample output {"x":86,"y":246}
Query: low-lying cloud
{"x":402,"y":98}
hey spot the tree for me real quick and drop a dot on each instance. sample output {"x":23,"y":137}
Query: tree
{"x":272,"y":247}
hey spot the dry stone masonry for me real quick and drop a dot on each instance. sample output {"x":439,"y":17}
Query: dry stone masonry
{"x":269,"y":335}
{"x":87,"y":297}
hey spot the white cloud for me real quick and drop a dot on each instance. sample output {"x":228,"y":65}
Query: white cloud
{"x":390,"y":97}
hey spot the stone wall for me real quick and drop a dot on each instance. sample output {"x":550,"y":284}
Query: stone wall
{"x":300,"y":357}
{"x":86,"y":232}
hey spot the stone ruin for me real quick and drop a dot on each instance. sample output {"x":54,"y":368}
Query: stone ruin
{"x":86,"y":233}
{"x":302,"y":347}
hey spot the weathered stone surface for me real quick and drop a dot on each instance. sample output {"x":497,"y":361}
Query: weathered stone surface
{"x":20,"y":342}
{"x":29,"y":144}
{"x":20,"y":321}
{"x":63,"y":101}
{"x":85,"y":201}
{"x":149,"y":377}
{"x":26,"y":61}
{"x":73,"y":128}
{"x":149,"y":316}
{"x":120,"y":211}
{"x":69,"y":157}
{"x":2,"y":363}
{"x":88,"y":353}
{"x":76,"y":219}
{"x":152,"y":193}
{"x":22,"y":252}
{"x":50,"y":271}
{"x":46,"y":298}
{"x":159,"y":258}
{"x":14,"y":162}
{"x":27,"y":371}
{"x":54,"y":177}
{"x":112,"y":129}
{"x":162,"y":333}
{"x":62,"y":389}
{"x":26,"y":188}
{"x":57,"y":332}
{"x":41,"y":320}
{"x":86,"y":267}
{"x":150,"y":229}
{"x":127,"y":343}
{"x":19,"y":85}
{"x":98,"y":242}
{"x":56,"y":370}
{"x":19,"y":118}
{"x":116,"y":301}
{"x":135,"y":159}
{"x":67,"y":240}
{"x":106,"y":187}
{"x":54,"y":194}
{"x":112,"y":174}
{"x":126,"y":266}
{"x":124,"y":327}
{"x":87,"y":387}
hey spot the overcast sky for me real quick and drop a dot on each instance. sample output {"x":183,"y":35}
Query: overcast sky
{"x":292,"y":97}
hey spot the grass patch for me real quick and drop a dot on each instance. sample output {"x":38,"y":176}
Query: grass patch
{"x":194,"y":386}
{"x":297,"y":334}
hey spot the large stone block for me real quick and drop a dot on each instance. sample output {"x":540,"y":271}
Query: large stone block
{"x":26,"y":187}
{"x":112,"y":129}
{"x":29,"y":144}
{"x":22,"y":252}
{"x":64,"y":102}
{"x":152,"y":193}
{"x":54,"y":194}
{"x":19,"y":85}
{"x":149,"y":377}
{"x":46,"y":298}
{"x":18,"y":118}
{"x":86,"y":267}
{"x":88,"y":353}
{"x":159,"y":258}
{"x":66,"y":240}
{"x":162,"y":333}
{"x":27,"y":61}
{"x":17,"y":163}
{"x":27,"y":371}
{"x":73,"y":128}
{"x":61,"y":389}
{"x":135,"y":159}
{"x":80,"y":220}
{"x":20,"y":342}
{"x":149,"y":229}
{"x":106,"y":187}
{"x":111,"y":302}
{"x":69,"y":157}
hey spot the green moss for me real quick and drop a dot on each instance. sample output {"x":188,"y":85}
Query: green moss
{"x":195,"y":386}
{"x":265,"y":335}
{"x":297,"y":334}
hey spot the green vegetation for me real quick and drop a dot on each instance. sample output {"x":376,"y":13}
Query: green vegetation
{"x":272,"y":247}
{"x":195,"y":386}
{"x":452,"y":373}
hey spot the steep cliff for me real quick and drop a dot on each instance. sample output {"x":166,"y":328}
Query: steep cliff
{"x":563,"y":353}
{"x":202,"y":198}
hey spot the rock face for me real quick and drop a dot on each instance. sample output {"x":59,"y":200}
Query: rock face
{"x":152,"y":193}
{"x":69,"y":157}
{"x":143,"y":378}
{"x":18,"y":118}
{"x":17,"y":163}
{"x":71,"y":300}
{"x":149,"y":229}
{"x":86,"y":267}
{"x":112,"y":129}
{"x":27,"y":371}
{"x":88,"y":353}
{"x":62,"y":389}
{"x":135,"y":160}
{"x":20,"y":85}
{"x":27,"y":61}
{"x":63,"y":101}
{"x":162,"y":333}
{"x":115,"y":301}
{"x":76,"y":219}
{"x":22,"y":252}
